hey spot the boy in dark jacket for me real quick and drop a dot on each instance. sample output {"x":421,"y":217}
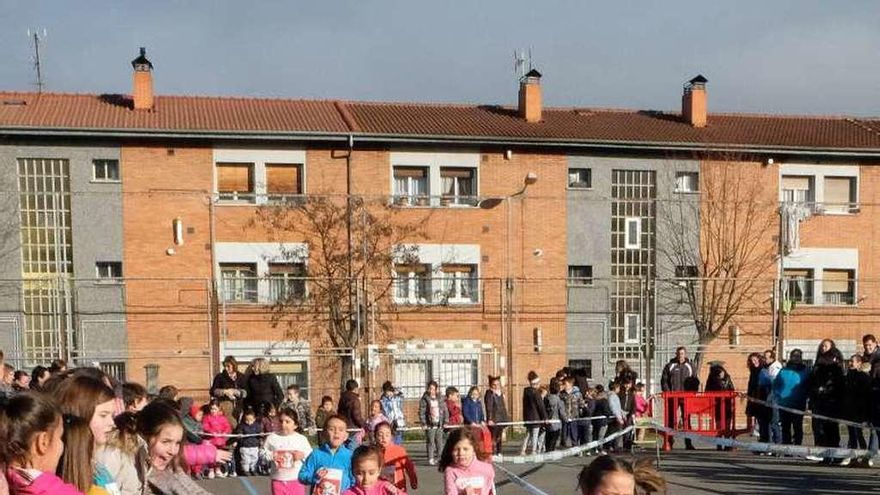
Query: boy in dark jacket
{"x":857,"y":401}
{"x":249,"y":446}
{"x":533,"y":413}
{"x":433,"y":415}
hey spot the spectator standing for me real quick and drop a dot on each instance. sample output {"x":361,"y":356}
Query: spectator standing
{"x":453,"y":405}
{"x":534,"y":414}
{"x":790,"y":388}
{"x":228,"y":388}
{"x":321,"y":415}
{"x":827,"y":384}
{"x":757,"y":390}
{"x":392,"y":408}
{"x":719,"y":381}
{"x":772,"y":370}
{"x":20,"y":381}
{"x":496,"y":411}
{"x":433,"y":415}
{"x":857,"y":402}
{"x":472,"y":408}
{"x":872,"y":359}
{"x":39,"y":375}
{"x":675,"y":377}
{"x":572,"y":402}
{"x":303,"y":408}
{"x":350,"y":409}
{"x":262,"y":386}
{"x":556,"y":415}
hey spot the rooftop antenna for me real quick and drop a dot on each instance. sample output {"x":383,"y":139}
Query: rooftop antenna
{"x":522,"y":62}
{"x":37,"y":39}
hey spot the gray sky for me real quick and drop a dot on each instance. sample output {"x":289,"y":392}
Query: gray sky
{"x":781,"y":56}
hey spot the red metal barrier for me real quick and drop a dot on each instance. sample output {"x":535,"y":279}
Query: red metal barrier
{"x":706,"y":413}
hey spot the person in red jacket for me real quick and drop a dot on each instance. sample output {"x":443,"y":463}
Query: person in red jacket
{"x":453,"y":404}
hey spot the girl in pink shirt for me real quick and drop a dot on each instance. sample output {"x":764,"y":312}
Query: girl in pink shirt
{"x":463,"y":471}
{"x":366,"y":466}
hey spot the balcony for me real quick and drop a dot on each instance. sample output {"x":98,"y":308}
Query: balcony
{"x":239,"y":289}
{"x":838,"y":298}
{"x":444,"y":201}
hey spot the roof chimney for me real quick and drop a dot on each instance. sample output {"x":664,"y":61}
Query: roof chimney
{"x":530,"y":96}
{"x":693,"y":101}
{"x":143,"y":82}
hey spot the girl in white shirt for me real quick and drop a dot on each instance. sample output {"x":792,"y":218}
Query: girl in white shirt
{"x":288,"y":449}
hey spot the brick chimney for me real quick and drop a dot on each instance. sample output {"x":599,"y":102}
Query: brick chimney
{"x":143,"y":82}
{"x":530,"y":96}
{"x":693,"y":101}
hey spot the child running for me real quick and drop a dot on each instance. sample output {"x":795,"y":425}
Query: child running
{"x":398,"y":466}
{"x":464,"y":472}
{"x":376,"y":417}
{"x":366,"y":464}
{"x":31,"y":429}
{"x":328,"y":468}
{"x":288,"y":448}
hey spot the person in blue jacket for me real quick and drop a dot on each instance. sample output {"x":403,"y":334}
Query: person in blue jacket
{"x":330,"y":455}
{"x":472,"y":408}
{"x":790,"y":387}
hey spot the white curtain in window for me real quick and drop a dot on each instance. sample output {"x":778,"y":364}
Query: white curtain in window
{"x":419,"y":186}
{"x":448,"y":185}
{"x":400,"y":186}
{"x":465,"y":187}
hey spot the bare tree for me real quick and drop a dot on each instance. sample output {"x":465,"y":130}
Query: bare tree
{"x":722,"y":245}
{"x":351,"y":245}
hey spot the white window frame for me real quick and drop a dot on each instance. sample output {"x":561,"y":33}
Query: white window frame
{"x":289,"y":282}
{"x":433,"y":162}
{"x":456,"y":199}
{"x":628,"y":242}
{"x":409,"y":195}
{"x":105,"y":162}
{"x":455,"y":294}
{"x":690,"y":178}
{"x":413,"y":279}
{"x":259,"y":158}
{"x":589,"y":183}
{"x":627,"y":318}
{"x":248,"y":296}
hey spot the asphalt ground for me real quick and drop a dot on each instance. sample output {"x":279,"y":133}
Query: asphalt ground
{"x":704,"y":471}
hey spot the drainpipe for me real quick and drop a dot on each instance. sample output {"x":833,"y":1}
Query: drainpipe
{"x":214,"y":329}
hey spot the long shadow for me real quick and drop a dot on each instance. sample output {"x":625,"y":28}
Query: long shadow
{"x":522,"y":475}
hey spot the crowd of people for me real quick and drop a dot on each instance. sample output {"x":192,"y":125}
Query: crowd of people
{"x":72,"y":431}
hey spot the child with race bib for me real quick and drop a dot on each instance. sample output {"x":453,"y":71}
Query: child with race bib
{"x":328,"y":468}
{"x":464,"y":472}
{"x":366,"y":465}
{"x":398,"y":466}
{"x":288,"y":448}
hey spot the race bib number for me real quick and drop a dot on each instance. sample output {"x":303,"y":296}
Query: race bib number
{"x":284,"y":459}
{"x":331,"y":483}
{"x":470,"y":486}
{"x":388,"y":473}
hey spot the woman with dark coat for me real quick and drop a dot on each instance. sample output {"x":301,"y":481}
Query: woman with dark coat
{"x":857,"y":401}
{"x":827,"y":384}
{"x":760,"y":391}
{"x":228,"y":388}
{"x":719,"y":381}
{"x":262,"y":386}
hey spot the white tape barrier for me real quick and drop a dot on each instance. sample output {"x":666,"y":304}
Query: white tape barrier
{"x":560,"y":454}
{"x":809,"y":414}
{"x":314,"y":431}
{"x":516,"y":480}
{"x":771,"y":448}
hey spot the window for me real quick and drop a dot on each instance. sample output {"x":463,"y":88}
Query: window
{"x":687,"y":274}
{"x":105,"y":170}
{"x":235,"y":182}
{"x":582,"y":364}
{"x":292,"y":373}
{"x":287,"y":281}
{"x":632,"y":324}
{"x":239,"y":282}
{"x":838,"y":287}
{"x":412,"y":374}
{"x":633,"y":233}
{"x":799,"y":285}
{"x":460,"y":283}
{"x":108,"y":269}
{"x":580,"y":178}
{"x":840,"y":195}
{"x":798,"y":189}
{"x":411,"y":186}
{"x":412,"y":284}
{"x":687,"y":182}
{"x":580,"y":275}
{"x":457,"y":186}
{"x":283,"y":182}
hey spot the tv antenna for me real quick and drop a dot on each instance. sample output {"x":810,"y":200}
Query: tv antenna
{"x":37,"y":38}
{"x":522,"y":62}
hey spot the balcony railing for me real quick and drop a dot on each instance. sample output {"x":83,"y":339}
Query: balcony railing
{"x":438,"y":291}
{"x":838,"y":298}
{"x":240,"y":289}
{"x":826,"y":208}
{"x":284,"y":289}
{"x":425,"y":201}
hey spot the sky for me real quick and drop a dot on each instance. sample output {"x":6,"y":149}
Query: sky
{"x":770,"y":56}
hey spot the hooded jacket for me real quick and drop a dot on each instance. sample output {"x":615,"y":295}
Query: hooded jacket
{"x":425,"y":411}
{"x":827,"y":383}
{"x":791,"y":385}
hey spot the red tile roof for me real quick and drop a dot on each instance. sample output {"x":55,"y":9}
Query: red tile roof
{"x":61,"y":112}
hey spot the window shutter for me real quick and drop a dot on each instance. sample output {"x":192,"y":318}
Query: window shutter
{"x":463,"y":173}
{"x":234,"y":177}
{"x":283,"y":179}
{"x":836,"y":280}
{"x":416,"y":172}
{"x":457,"y":268}
{"x":798,"y":273}
{"x":837,"y":190}
{"x":795,"y":182}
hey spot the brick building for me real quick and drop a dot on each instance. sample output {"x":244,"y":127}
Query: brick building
{"x":134,"y":236}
